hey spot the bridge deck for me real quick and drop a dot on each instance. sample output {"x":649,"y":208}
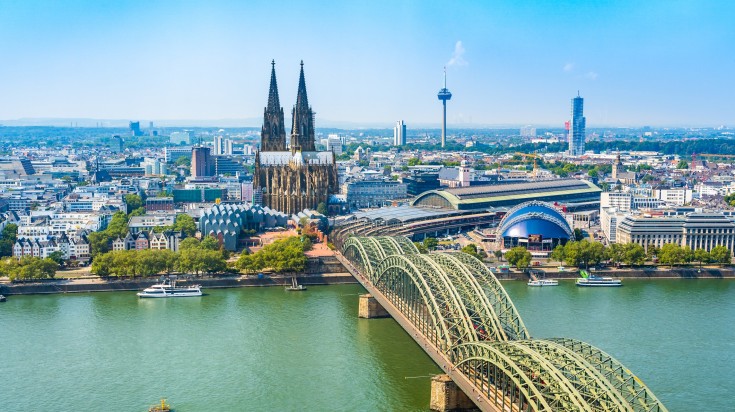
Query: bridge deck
{"x":477,"y":396}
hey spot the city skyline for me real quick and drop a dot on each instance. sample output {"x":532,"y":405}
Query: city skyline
{"x":658,"y":63}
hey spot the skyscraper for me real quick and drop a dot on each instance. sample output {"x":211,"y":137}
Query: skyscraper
{"x":444,"y":95}
{"x":577,"y":131}
{"x":399,"y":134}
{"x":201,"y":162}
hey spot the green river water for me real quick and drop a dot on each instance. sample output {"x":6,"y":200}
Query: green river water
{"x":264,"y":349}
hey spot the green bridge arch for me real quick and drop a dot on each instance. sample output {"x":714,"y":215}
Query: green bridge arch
{"x":458,"y":304}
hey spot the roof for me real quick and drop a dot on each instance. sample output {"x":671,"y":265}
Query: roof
{"x":284,"y":158}
{"x":402,"y":213}
{"x":491,"y":195}
{"x":535,"y":218}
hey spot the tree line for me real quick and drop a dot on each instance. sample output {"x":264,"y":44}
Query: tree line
{"x":584,"y":253}
{"x":283,"y":255}
{"x":193,"y":257}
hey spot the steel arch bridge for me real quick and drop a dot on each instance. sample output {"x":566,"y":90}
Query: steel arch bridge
{"x":459,"y":306}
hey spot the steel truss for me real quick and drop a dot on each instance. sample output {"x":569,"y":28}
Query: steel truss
{"x":457,"y":302}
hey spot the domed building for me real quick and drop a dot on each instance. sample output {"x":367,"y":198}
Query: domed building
{"x":534,"y":225}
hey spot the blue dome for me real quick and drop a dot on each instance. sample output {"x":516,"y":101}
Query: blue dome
{"x":535,"y":218}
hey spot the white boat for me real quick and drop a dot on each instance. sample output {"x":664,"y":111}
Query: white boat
{"x":168,"y":289}
{"x":543,"y":282}
{"x":295,"y":287}
{"x":597,"y":281}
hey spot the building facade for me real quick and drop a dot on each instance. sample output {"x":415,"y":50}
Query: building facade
{"x":578,"y":125}
{"x":201,"y":162}
{"x":298,"y":178}
{"x":695,"y":230}
{"x":399,"y":134}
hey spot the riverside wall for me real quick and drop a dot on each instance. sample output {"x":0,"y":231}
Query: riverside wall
{"x":319,"y":271}
{"x":643,"y":273}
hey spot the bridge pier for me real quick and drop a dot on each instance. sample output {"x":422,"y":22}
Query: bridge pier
{"x":369,"y":308}
{"x":447,"y":396}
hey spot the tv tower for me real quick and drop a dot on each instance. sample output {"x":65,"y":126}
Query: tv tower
{"x":444,"y":95}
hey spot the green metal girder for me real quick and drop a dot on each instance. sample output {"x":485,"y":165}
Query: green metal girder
{"x":473,"y":297}
{"x":502,"y":305}
{"x":638,"y":395}
{"x":458,"y":296}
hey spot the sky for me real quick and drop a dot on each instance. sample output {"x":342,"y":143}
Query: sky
{"x":371,"y":63}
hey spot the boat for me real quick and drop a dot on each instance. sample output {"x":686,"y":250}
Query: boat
{"x":162,"y":407}
{"x":543,"y":282}
{"x":3,"y":298}
{"x":598,"y":281}
{"x":168,"y":289}
{"x":295,"y":287}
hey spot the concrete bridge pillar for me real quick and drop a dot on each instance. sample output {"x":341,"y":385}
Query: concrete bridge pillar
{"x":447,"y":396}
{"x":370,"y":308}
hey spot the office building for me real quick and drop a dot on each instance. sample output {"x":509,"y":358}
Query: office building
{"x":135,"y":129}
{"x":399,"y":134}
{"x":201,"y":162}
{"x":578,"y":124}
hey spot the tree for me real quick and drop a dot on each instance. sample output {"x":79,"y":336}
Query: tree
{"x":499,"y":255}
{"x":653,"y":251}
{"x":578,"y":235}
{"x":682,"y":164}
{"x":10,"y":232}
{"x":137,"y":212}
{"x":183,"y":161}
{"x":414,"y":161}
{"x":189,"y":243}
{"x":421,"y":248}
{"x":671,"y":254}
{"x":471,"y":250}
{"x":322,"y":208}
{"x":701,"y":256}
{"x":133,"y":201}
{"x":283,"y":255}
{"x":558,"y":254}
{"x":721,"y":254}
{"x":29,"y":267}
{"x":209,"y":242}
{"x":615,"y":253}
{"x":431,"y":243}
{"x":518,"y":257}
{"x":185,"y":223}
{"x":57,"y":256}
{"x":633,"y":254}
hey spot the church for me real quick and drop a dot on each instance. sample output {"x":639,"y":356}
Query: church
{"x":292,"y":177}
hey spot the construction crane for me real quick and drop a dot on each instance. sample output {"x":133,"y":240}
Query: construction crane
{"x":534,"y":157}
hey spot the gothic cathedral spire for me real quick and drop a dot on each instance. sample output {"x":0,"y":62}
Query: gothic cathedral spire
{"x":302,"y":129}
{"x":273,"y":133}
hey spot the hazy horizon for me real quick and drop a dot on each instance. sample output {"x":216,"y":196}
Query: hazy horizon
{"x":657,"y":63}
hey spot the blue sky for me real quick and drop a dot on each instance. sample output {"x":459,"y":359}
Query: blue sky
{"x":372,"y":62}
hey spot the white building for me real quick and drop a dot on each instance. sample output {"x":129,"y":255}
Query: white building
{"x":399,"y":134}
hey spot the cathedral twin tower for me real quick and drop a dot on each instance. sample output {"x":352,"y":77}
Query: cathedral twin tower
{"x":292,"y":177}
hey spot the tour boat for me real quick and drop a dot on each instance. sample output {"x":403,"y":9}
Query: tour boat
{"x":295,"y":285}
{"x":167,"y":289}
{"x":3,"y":298}
{"x":543,"y":282}
{"x":593,"y":280}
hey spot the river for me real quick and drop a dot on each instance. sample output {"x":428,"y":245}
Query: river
{"x":266,"y":349}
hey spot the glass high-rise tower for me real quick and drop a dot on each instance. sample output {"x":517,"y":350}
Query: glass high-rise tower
{"x":577,"y":129}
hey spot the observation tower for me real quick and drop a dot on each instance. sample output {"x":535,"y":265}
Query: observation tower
{"x":444,"y":95}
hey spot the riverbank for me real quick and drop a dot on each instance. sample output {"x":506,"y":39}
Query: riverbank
{"x":104,"y":285}
{"x":644,"y":273}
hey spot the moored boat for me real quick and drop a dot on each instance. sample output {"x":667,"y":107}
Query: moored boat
{"x":598,"y":281}
{"x":295,"y":287}
{"x":543,"y":282}
{"x":168,"y":289}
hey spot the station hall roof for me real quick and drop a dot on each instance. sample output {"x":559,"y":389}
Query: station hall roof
{"x":509,"y":194}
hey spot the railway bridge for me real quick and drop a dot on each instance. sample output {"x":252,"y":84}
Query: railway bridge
{"x":453,"y":306}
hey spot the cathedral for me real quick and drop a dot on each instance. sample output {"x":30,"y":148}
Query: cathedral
{"x":292,"y":177}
